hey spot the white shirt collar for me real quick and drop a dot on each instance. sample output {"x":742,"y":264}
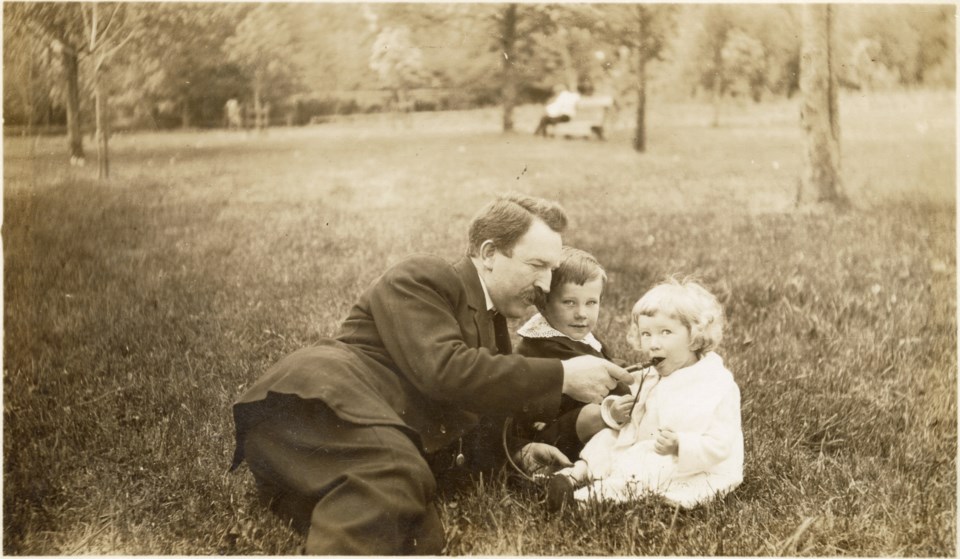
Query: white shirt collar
{"x":538,"y":327}
{"x":486,"y":294}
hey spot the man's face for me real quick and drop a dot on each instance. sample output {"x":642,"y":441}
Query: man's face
{"x":512,"y":280}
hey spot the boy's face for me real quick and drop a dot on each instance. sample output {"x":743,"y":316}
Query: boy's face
{"x":573,"y":309}
{"x":666,"y":341}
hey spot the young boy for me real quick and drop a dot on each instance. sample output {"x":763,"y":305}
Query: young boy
{"x":563,"y":329}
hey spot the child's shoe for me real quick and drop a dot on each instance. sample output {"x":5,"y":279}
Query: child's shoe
{"x":559,"y":491}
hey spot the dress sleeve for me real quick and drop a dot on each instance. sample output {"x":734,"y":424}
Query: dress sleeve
{"x":701,"y":451}
{"x":606,"y":415}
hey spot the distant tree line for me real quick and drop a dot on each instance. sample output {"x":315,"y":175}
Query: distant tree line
{"x":177,"y":64}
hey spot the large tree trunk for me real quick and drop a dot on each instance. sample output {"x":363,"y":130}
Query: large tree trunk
{"x":509,"y":90}
{"x":819,"y":114}
{"x":640,"y":135}
{"x":74,"y":136}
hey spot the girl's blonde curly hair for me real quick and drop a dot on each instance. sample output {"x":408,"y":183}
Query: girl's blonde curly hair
{"x":691,"y":304}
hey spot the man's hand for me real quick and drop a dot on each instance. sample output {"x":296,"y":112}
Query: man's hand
{"x":621,"y":408}
{"x":667,"y":442}
{"x":588,"y":379}
{"x":541,"y":458}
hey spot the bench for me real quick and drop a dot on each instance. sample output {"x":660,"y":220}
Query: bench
{"x":592,"y":118}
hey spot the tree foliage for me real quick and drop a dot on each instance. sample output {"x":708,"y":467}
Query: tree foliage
{"x":31,"y":72}
{"x":729,"y":51}
{"x":187,"y":59}
{"x":396,"y":60}
{"x":108,"y":29}
{"x":177,"y":64}
{"x":632,"y":37}
{"x":260,"y":46}
{"x":912,"y":45}
{"x":59,"y":25}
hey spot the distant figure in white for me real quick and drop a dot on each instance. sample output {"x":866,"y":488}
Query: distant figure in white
{"x":233,"y":114}
{"x":561,"y":108}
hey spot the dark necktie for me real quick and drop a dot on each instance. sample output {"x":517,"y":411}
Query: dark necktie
{"x":501,"y":334}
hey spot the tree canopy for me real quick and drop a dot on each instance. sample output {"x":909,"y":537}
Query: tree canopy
{"x":187,"y":59}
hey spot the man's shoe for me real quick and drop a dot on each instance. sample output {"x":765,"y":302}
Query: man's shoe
{"x":559,"y":491}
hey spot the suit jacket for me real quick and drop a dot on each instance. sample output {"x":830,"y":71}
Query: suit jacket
{"x":417,"y":352}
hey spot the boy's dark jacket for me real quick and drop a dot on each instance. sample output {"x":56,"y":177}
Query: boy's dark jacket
{"x":561,"y":432}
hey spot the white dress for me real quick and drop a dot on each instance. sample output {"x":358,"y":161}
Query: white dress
{"x":701,"y":404}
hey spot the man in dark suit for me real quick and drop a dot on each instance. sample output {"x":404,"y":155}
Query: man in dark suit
{"x":338,"y":435}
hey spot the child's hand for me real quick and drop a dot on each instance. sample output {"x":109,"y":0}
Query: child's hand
{"x":621,"y":408}
{"x":667,"y":442}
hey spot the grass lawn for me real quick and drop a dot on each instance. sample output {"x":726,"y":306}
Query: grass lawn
{"x":138,"y":309}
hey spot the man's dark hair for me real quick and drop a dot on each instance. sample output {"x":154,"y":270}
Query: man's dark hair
{"x":508,"y":218}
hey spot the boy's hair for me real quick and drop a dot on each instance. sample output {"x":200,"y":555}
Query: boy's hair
{"x":508,"y":217}
{"x":576,"y":266}
{"x":691,"y":304}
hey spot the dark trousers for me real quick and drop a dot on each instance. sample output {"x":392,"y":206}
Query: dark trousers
{"x":549,"y":121}
{"x":562,"y":433}
{"x":354,"y":489}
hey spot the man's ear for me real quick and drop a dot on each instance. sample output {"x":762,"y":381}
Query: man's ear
{"x":487,"y":252}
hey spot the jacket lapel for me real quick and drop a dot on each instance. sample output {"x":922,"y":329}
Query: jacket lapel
{"x":477,"y":303}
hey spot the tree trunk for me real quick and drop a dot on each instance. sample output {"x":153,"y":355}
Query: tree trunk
{"x":640,"y":135}
{"x":74,"y":136}
{"x":103,"y":133}
{"x":103,"y":164}
{"x":717,"y":98}
{"x":819,"y":114}
{"x":571,"y":77}
{"x":26,"y":90}
{"x":718,"y":81}
{"x":508,"y":41}
{"x":257,"y":109}
{"x":185,"y":120}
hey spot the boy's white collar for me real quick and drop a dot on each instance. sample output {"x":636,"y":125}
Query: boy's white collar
{"x":538,"y":327}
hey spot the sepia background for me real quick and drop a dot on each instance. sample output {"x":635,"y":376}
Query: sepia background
{"x":192,"y":191}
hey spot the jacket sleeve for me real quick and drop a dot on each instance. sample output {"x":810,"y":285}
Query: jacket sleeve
{"x":551,"y":348}
{"x":413,"y":308}
{"x":701,"y":451}
{"x":605,"y":413}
